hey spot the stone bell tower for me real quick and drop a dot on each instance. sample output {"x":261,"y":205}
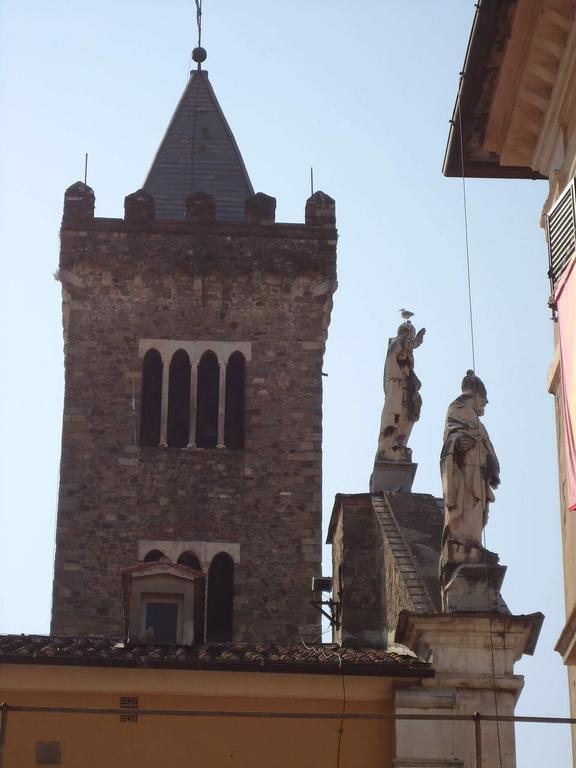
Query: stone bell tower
{"x":194,"y":330}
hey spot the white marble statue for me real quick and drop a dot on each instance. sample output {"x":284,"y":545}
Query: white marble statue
{"x":402,"y":401}
{"x":470,"y":472}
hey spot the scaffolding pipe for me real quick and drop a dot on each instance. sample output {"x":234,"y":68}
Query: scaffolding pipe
{"x":476,"y":717}
{"x":3,"y":724}
{"x":478,"y":738}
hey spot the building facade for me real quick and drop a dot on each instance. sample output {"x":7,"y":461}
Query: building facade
{"x":194,"y":331}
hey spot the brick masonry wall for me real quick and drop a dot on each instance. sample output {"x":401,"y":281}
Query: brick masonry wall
{"x":271,"y":285}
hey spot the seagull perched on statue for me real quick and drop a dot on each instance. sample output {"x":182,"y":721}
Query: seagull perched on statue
{"x":406,"y":314}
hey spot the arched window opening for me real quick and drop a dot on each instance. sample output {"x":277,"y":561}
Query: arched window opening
{"x":207,"y":401}
{"x":151,"y":398}
{"x":220,"y":599}
{"x":189,"y":559}
{"x":178,"y":426}
{"x":235,"y":400}
{"x":154,"y":556}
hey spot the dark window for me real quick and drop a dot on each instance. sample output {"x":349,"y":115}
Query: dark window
{"x":179,"y":400}
{"x":199,"y":610}
{"x":189,"y":559}
{"x":207,"y":401}
{"x":162,"y":618}
{"x":153,"y":556}
{"x":151,"y":398}
{"x":235,"y":385}
{"x":220,"y":599}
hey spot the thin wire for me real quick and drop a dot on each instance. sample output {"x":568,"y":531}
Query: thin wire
{"x":314,"y":639}
{"x":343,"y":713}
{"x":341,"y":727}
{"x":470,"y":312}
{"x":473,"y":349}
{"x":134,"y":409}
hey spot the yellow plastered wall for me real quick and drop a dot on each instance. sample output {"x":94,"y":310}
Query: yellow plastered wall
{"x":93,"y":741}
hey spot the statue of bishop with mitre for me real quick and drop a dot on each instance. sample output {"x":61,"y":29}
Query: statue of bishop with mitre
{"x":470,"y":472}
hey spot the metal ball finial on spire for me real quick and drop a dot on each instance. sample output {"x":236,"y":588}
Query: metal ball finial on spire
{"x":199,"y":54}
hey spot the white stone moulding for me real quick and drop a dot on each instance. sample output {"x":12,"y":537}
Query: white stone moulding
{"x":195,"y":349}
{"x":204,"y":550}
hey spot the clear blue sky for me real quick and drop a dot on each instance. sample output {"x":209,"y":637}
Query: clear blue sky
{"x":363,"y":91}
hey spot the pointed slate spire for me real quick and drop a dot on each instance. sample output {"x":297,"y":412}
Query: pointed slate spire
{"x":199,"y":154}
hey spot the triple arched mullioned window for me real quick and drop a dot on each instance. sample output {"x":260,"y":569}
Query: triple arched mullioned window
{"x":214,"y":622}
{"x":193,"y":393}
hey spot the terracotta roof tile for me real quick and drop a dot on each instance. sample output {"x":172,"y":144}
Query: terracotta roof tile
{"x":268,"y":657}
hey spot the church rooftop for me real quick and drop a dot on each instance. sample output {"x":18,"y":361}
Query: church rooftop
{"x":199,"y":154}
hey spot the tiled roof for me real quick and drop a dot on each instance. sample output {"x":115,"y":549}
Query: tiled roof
{"x":199,"y":154}
{"x":265,"y":657}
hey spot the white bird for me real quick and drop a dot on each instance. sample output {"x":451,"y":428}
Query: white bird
{"x":406,"y":314}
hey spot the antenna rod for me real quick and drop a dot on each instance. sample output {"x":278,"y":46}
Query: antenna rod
{"x":134,"y":409}
{"x":85,"y":167}
{"x":199,"y":54}
{"x":199,"y":25}
{"x":311,"y":180}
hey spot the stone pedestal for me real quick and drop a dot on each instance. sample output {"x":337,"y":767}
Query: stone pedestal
{"x":475,"y":588}
{"x":473,"y":656}
{"x":471,"y":578}
{"x":392,"y":476}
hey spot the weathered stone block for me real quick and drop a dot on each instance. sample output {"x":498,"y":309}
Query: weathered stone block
{"x":139,"y":210}
{"x":200,"y":208}
{"x":79,"y":202}
{"x":260,"y":209}
{"x":320,"y":211}
{"x":392,"y":476}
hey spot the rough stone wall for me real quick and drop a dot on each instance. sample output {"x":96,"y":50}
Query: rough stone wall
{"x":397,"y":596}
{"x":358,"y":548}
{"x":271,"y":285}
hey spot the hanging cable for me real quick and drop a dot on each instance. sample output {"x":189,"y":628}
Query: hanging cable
{"x":483,"y":499}
{"x":469,"y":280}
{"x":341,"y":726}
{"x":343,"y":714}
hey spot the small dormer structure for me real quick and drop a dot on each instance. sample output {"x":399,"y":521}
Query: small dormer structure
{"x":163,"y":603}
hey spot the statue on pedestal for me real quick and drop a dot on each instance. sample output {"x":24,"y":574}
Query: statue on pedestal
{"x":402,"y":401}
{"x":470,"y":574}
{"x":469,"y":466}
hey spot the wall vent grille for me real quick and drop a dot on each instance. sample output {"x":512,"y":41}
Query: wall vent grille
{"x":561,"y":226}
{"x":129,"y":707}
